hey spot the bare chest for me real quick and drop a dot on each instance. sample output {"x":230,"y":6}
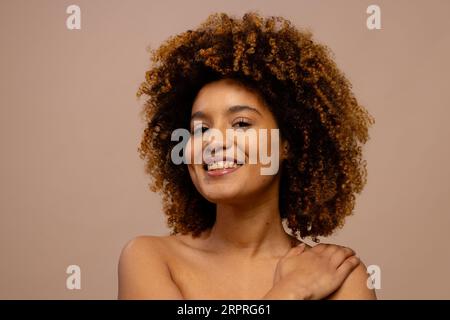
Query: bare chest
{"x":204,"y":276}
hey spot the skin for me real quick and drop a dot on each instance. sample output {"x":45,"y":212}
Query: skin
{"x":247,"y":254}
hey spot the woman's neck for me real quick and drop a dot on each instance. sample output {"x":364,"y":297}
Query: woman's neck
{"x":252,"y":229}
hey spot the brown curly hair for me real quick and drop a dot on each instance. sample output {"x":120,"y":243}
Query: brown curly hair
{"x":310,"y":98}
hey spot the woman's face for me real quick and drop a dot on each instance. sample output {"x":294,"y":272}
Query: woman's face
{"x":222,"y":105}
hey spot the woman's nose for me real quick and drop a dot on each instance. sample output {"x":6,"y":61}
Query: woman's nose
{"x":216,"y":140}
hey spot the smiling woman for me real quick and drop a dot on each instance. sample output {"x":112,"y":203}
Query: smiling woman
{"x":227,"y":239}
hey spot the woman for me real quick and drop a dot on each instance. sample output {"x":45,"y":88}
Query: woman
{"x":227,"y":239}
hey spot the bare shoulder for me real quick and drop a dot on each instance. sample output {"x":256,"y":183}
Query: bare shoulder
{"x":156,"y":243}
{"x":141,"y":249}
{"x":355,"y":286}
{"x":137,"y":244}
{"x":143,"y":272}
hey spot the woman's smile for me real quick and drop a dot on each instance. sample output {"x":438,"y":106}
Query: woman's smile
{"x":220,"y":165}
{"x":221,"y":168}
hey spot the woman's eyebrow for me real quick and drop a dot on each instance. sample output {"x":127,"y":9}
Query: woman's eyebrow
{"x":198,"y":114}
{"x":232,"y":109}
{"x":238,"y":108}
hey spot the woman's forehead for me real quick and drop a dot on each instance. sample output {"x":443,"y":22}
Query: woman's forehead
{"x":226,"y":93}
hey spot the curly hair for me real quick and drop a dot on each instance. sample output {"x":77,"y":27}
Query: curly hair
{"x":310,"y":98}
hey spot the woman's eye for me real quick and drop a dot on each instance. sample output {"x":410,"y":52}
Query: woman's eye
{"x":202,"y":129}
{"x":241,"y":124}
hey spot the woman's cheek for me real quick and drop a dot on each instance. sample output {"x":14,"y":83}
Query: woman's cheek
{"x":188,"y":156}
{"x":193,"y":151}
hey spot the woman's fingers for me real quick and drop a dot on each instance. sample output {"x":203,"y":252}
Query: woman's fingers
{"x":295,"y":251}
{"x":319,"y":248}
{"x":300,"y":248}
{"x":340,"y":255}
{"x":347,"y":267}
{"x":330,"y":250}
{"x":319,"y":270}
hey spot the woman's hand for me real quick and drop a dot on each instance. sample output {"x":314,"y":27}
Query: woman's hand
{"x":312,"y":273}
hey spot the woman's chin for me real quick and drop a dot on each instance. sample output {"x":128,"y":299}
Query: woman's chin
{"x":221,"y":195}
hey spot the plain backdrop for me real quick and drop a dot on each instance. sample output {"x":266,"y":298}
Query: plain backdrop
{"x":73,"y":189}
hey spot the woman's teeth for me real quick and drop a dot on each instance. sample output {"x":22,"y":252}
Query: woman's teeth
{"x":222,"y":165}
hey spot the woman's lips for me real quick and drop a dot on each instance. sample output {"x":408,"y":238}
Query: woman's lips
{"x":221,"y":172}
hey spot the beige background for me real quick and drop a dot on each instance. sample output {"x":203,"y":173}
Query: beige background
{"x":73,"y":189}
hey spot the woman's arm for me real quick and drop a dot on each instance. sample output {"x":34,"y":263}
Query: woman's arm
{"x":143,"y":274}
